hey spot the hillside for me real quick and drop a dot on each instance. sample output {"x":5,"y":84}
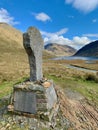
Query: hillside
{"x":89,"y":50}
{"x":12,"y":53}
{"x":8,"y":33}
{"x":60,"y":50}
{"x":77,"y":97}
{"x":13,"y":58}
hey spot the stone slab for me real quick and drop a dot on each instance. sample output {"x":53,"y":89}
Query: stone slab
{"x":51,"y":96}
{"x":33,"y":98}
{"x":25,"y":101}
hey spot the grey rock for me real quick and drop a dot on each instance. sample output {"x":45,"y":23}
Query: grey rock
{"x":7,"y":126}
{"x":33,"y":44}
{"x":51,"y":96}
{"x":3,"y":123}
{"x":36,"y":88}
{"x":32,"y":128}
{"x":3,"y":128}
{"x":22,"y":125}
{"x":32,"y":98}
{"x":25,"y":101}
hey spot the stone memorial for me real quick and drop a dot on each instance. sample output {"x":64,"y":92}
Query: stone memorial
{"x":36,"y":95}
{"x":33,"y":44}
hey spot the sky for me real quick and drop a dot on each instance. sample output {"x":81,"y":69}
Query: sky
{"x":66,"y":22}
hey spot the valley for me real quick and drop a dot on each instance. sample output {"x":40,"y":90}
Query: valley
{"x":77,"y":90}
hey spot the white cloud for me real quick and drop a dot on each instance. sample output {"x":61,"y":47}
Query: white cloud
{"x":57,"y":37}
{"x":91,"y":35}
{"x":78,"y":42}
{"x":6,"y":18}
{"x":42,"y":16}
{"x":84,"y":5}
{"x":60,"y":32}
{"x":94,"y":20}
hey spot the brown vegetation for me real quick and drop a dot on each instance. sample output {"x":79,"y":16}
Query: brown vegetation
{"x":14,"y":67}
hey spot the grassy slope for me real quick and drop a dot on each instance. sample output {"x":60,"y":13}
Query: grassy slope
{"x":72,"y":79}
{"x":14,"y":68}
{"x":13,"y":59}
{"x":13,"y":65}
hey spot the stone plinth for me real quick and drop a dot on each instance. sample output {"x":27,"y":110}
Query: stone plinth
{"x":35,"y":96}
{"x":32,"y":98}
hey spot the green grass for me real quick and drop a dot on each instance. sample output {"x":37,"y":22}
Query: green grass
{"x":88,"y":89}
{"x":14,"y":66}
{"x":84,"y":83}
{"x":7,"y":87}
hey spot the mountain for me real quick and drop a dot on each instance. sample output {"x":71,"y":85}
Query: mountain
{"x":9,"y":34}
{"x":60,"y":50}
{"x":13,"y":58}
{"x":89,"y":50}
{"x":14,"y":67}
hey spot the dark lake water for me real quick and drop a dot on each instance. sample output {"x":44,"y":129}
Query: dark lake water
{"x":76,"y":58}
{"x":88,"y":60}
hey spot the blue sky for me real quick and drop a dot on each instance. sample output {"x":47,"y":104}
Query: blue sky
{"x":69,"y":22}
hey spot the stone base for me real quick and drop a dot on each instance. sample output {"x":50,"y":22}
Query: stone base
{"x":31,"y":98}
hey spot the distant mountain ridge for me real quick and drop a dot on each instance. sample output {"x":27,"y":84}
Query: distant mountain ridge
{"x":60,"y":50}
{"x":11,"y":38}
{"x":11,"y":43}
{"x":89,"y":50}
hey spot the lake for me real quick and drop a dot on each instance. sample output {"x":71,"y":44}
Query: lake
{"x":88,"y":60}
{"x":76,"y":58}
{"x":81,"y":69}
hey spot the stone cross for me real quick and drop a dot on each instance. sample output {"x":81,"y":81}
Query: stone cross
{"x":33,"y":44}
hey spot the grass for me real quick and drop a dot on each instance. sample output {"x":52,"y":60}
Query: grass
{"x":14,"y":67}
{"x":78,"y":81}
{"x":90,"y":91}
{"x":87,"y":88}
{"x":80,"y":63}
{"x":6,"y":87}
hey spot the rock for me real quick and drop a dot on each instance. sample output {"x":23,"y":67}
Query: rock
{"x":7,"y":126}
{"x":46,"y":84}
{"x":3,"y":123}
{"x":10,"y":108}
{"x":3,"y":128}
{"x":33,"y":44}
